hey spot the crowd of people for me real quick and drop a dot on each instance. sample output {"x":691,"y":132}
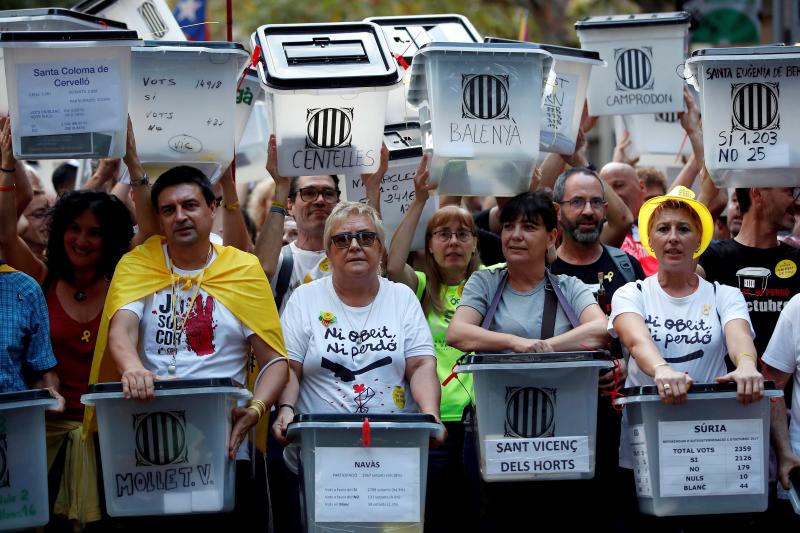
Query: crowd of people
{"x":302,"y":297}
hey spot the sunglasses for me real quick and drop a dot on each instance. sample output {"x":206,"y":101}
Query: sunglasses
{"x":363,"y":238}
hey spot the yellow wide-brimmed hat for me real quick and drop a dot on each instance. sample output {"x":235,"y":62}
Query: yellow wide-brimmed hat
{"x":685,"y":196}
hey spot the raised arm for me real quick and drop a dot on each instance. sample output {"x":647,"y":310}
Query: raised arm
{"x":234,"y":230}
{"x":372,"y":182}
{"x":13,"y":249}
{"x":672,"y":385}
{"x":396,"y":267}
{"x":145,"y":214}
{"x":270,"y":238}
{"x":107,"y":171}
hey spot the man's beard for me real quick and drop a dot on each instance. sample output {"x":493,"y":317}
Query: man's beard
{"x":583,"y":236}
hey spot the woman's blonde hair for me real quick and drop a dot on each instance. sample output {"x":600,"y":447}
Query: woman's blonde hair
{"x":258,"y":199}
{"x":434,"y":279}
{"x":343,"y":210}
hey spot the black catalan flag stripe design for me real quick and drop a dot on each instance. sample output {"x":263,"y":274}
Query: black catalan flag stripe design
{"x":160,"y":438}
{"x":156,"y":25}
{"x":485,"y":96}
{"x":666,"y":117}
{"x":329,"y":127}
{"x":634,"y":68}
{"x":755,"y":106}
{"x":530,"y":412}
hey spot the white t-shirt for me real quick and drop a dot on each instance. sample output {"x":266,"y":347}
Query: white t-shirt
{"x":783,"y":353}
{"x":687,"y":331}
{"x":339,"y":376}
{"x":213,"y":345}
{"x":308,"y":266}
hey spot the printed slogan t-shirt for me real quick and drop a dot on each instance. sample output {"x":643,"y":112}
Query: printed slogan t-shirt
{"x":766,"y":277}
{"x":339,"y":375}
{"x":212,"y":345}
{"x":688,"y":331}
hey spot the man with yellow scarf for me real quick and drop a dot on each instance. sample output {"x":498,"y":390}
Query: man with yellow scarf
{"x":180,"y":307}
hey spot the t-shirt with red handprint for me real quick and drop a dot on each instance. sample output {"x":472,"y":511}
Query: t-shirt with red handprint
{"x":213,"y":343}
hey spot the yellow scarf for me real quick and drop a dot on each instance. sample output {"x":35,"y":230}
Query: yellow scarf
{"x":5,"y":268}
{"x":234,"y":278}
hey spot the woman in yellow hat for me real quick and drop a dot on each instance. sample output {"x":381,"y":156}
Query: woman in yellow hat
{"x":676,"y":325}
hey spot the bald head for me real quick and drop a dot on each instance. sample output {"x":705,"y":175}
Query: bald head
{"x":623,"y":179}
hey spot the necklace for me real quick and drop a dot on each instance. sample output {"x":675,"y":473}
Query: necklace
{"x":359,"y":336}
{"x":79,"y":295}
{"x":172,"y":367}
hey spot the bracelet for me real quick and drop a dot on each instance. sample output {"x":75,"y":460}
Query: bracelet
{"x":279,"y":204}
{"x":256,"y":409}
{"x":8,"y":170}
{"x":279,"y":210}
{"x":660,"y":364}
{"x":230,"y":207}
{"x":746,"y":354}
{"x":144,"y":180}
{"x":290,"y":406}
{"x":260,"y":404}
{"x":8,"y":188}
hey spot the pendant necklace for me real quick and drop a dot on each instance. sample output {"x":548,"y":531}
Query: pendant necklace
{"x":338,"y":300}
{"x":172,"y":367}
{"x":79,"y":295}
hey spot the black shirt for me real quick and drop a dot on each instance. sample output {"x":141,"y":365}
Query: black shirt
{"x":589,"y":274}
{"x":489,"y":245}
{"x":767,"y":278}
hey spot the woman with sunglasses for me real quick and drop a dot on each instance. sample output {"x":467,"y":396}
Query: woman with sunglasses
{"x":451,"y":256}
{"x":357,"y":342}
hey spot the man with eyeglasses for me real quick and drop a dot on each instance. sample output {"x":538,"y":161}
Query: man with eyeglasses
{"x":310,"y":200}
{"x":604,"y":269}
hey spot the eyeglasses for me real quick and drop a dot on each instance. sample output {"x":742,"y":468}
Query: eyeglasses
{"x":309,"y":194}
{"x":363,"y":238}
{"x":579,"y":203}
{"x":444,"y":235}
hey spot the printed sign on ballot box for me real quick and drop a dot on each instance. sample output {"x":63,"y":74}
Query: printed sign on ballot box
{"x":746,"y":95}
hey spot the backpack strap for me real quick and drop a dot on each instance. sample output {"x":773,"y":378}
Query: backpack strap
{"x":487,"y":319}
{"x":549,"y":311}
{"x":284,"y":274}
{"x":565,"y":305}
{"x":622,"y":262}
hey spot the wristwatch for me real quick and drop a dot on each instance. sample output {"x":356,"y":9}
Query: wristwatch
{"x":144,"y":180}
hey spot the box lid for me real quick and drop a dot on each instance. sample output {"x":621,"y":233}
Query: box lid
{"x":406,"y":35}
{"x":767,"y":49}
{"x":555,"y":50}
{"x":349,"y":418}
{"x":46,"y":37}
{"x":544,"y":357}
{"x":630,"y":21}
{"x":36,"y":14}
{"x":94,"y":6}
{"x":325,"y":56}
{"x":170,"y":384}
{"x":403,"y":140}
{"x":24,"y":396}
{"x":696,"y":389}
{"x":214,"y":45}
